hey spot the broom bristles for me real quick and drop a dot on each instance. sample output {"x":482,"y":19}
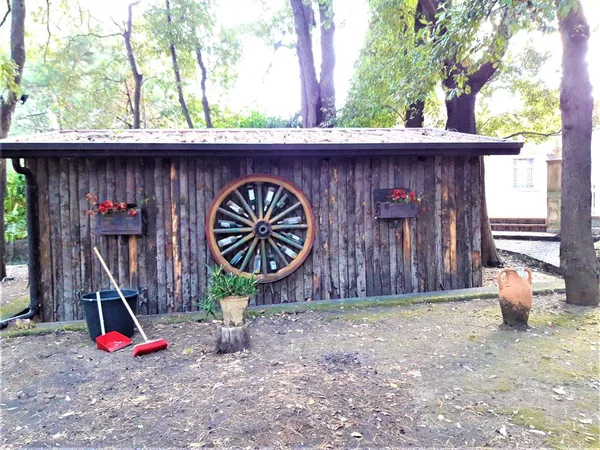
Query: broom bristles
{"x":150,"y":347}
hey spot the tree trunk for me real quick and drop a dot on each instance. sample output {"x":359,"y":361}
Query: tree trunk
{"x":205,"y":105}
{"x":577,"y":256}
{"x":461,"y":117}
{"x":326,"y":83}
{"x":137,"y":77}
{"x":184,"y":108}
{"x":303,"y":19}
{"x":7,"y":105}
{"x":415,"y":115}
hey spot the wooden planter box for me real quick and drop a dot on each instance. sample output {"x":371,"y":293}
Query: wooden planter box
{"x":387,"y":210}
{"x":120,"y":223}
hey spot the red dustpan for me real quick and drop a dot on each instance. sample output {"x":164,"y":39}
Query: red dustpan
{"x":113,"y":340}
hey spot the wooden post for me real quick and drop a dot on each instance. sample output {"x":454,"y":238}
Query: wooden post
{"x":232,"y":339}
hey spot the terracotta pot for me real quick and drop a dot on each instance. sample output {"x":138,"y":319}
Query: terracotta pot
{"x":234,"y":310}
{"x":515,"y":295}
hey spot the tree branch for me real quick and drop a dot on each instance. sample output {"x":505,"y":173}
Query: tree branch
{"x":7,"y":13}
{"x":533,"y":133}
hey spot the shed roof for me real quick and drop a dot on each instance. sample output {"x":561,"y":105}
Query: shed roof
{"x":256,"y":142}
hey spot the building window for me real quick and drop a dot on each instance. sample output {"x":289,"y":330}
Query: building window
{"x":522,"y":173}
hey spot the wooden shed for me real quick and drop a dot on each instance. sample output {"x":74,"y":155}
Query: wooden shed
{"x":303,"y":218}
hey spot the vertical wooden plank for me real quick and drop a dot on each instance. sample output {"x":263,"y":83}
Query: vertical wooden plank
{"x":298,"y":281}
{"x":171,"y":223}
{"x":369,"y":226}
{"x":65,"y":230}
{"x":126,"y":183}
{"x":467,"y":213}
{"x":391,"y":238}
{"x":341,"y":224}
{"x":407,"y":234}
{"x":428,"y":213}
{"x":317,"y":280}
{"x":281,"y":292}
{"x":193,"y":224}
{"x":149,"y":239}
{"x":413,"y":229}
{"x":376,"y":165}
{"x":201,"y":208}
{"x":452,"y":222}
{"x":399,"y":232}
{"x":184,"y":235}
{"x":101,"y":241}
{"x":360,"y":214}
{"x":352,"y":232}
{"x":161,"y":236}
{"x":75,"y":236}
{"x":85,"y":247}
{"x":476,"y":221}
{"x":333,"y":226}
{"x":324,"y":228}
{"x":112,"y":258}
{"x":421,"y":228}
{"x":47,"y":268}
{"x":439,"y":253}
{"x":459,"y":172}
{"x":307,"y":183}
{"x":446,"y":222}
{"x":137,"y":244}
{"x":384,"y":229}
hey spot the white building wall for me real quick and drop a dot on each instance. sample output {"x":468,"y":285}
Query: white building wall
{"x":506,"y":201}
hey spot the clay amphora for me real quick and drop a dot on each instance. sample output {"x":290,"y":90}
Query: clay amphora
{"x":515,"y":296}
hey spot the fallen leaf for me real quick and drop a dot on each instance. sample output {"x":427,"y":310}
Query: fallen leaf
{"x":540,"y":432}
{"x":559,"y":391}
{"x":585,"y":420}
{"x":187,"y":351}
{"x":503,"y":432}
{"x":357,"y":435}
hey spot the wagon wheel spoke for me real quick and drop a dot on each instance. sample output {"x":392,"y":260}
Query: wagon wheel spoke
{"x":249,"y":254}
{"x":232,"y":230}
{"x":245,"y":205}
{"x":285,"y":213}
{"x":238,"y":244}
{"x":259,"y":187}
{"x":273,"y":203}
{"x":235,"y":216}
{"x":263,"y":257}
{"x":288,"y":241}
{"x":302,"y":226}
{"x":277,"y":252}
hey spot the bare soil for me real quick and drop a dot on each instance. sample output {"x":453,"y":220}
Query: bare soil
{"x":444,"y":375}
{"x":16,"y":283}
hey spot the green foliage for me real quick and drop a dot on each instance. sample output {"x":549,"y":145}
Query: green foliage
{"x":253,"y":119}
{"x":15,"y":207}
{"x":221,"y":285}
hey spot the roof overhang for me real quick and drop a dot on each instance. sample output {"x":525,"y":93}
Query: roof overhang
{"x":336,"y":142}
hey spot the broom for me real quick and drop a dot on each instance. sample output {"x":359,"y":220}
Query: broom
{"x":148,"y":346}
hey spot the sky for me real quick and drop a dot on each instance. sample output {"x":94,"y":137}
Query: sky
{"x":277,"y":91}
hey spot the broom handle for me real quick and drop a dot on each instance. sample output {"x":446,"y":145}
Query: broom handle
{"x":100,"y":314}
{"x":137,"y":324}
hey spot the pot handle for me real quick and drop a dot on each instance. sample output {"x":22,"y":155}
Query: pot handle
{"x":501,"y":279}
{"x":529,"y":276}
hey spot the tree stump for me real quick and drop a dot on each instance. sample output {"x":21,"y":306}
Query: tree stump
{"x":232,"y":339}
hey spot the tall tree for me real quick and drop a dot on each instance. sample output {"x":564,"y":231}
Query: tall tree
{"x":8,"y":104}
{"x":137,"y":76}
{"x":317,"y":96}
{"x":578,"y":260}
{"x":176,"y":71}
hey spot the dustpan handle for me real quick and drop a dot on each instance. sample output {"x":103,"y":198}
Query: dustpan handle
{"x":100,"y":314}
{"x":137,"y":324}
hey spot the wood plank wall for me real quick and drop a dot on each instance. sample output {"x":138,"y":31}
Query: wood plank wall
{"x":353,"y":255}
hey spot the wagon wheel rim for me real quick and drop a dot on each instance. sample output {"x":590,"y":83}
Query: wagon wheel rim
{"x":275,"y":222}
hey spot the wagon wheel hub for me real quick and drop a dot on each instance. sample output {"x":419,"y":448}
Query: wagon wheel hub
{"x":261,"y":226}
{"x":262,"y":229}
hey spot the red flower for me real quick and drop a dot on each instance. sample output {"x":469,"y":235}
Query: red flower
{"x":412,"y":197}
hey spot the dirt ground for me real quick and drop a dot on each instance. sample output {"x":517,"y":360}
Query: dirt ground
{"x":15,"y":284}
{"x":443,"y":375}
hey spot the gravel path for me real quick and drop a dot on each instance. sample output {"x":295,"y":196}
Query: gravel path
{"x":547,"y":251}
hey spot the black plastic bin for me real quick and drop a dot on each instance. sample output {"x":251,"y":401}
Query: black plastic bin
{"x":116,"y":317}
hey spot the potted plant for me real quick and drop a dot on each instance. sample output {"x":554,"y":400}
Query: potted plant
{"x":399,"y":203}
{"x":233,"y":293}
{"x":115,"y":218}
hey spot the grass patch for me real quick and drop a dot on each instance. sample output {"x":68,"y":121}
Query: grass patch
{"x":14,"y":307}
{"x":566,"y":434}
{"x":564,"y":319}
{"x":374,"y":317}
{"x":39,"y":331}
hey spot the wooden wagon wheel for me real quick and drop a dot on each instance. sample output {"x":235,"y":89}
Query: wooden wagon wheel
{"x":260,"y":225}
